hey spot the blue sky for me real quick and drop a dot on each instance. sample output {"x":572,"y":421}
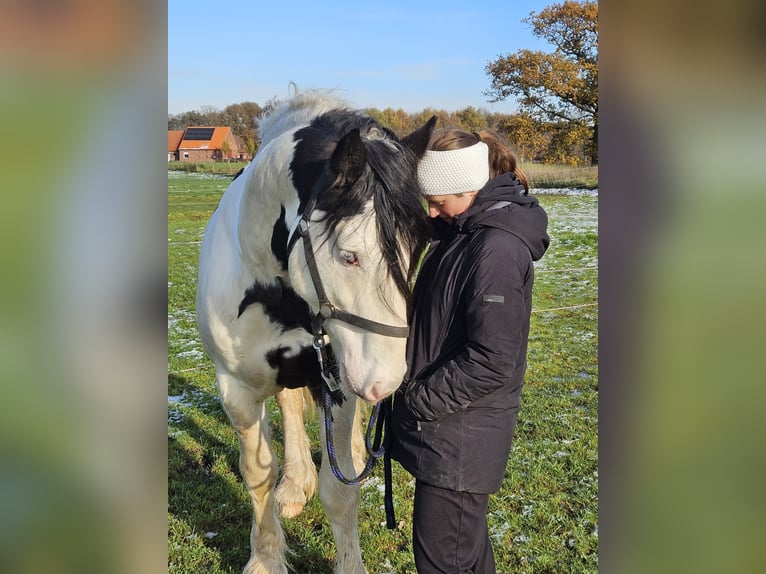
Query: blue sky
{"x":399,"y":54}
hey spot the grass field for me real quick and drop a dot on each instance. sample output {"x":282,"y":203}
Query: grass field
{"x":543,"y":520}
{"x":541,"y":176}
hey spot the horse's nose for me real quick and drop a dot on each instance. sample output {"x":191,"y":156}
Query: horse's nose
{"x":376,"y":393}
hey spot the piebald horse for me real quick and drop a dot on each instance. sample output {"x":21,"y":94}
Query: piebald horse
{"x":309,"y":255}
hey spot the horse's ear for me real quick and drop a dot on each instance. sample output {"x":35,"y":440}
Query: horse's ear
{"x":417,"y":141}
{"x":348,"y":160}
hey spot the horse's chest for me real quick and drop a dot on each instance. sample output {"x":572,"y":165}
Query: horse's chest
{"x":275,"y":321}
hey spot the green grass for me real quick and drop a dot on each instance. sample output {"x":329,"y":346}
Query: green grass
{"x":216,"y":167}
{"x":544,"y":176}
{"x":541,"y":176}
{"x":543,"y":520}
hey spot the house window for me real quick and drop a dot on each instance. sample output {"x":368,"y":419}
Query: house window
{"x":186,"y":155}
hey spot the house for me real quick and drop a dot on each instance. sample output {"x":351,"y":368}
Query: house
{"x":207,"y":143}
{"x":243,"y":153}
{"x":174,"y":138}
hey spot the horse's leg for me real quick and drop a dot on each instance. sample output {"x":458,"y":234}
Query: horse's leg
{"x":299,"y":473}
{"x":340,"y":501}
{"x":258,"y":466}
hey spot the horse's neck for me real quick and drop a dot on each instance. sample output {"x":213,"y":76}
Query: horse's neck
{"x":265,"y":191}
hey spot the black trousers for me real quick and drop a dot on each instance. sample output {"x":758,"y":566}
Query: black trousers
{"x":449,"y":532}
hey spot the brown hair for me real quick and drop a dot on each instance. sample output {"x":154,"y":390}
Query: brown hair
{"x":501,"y":158}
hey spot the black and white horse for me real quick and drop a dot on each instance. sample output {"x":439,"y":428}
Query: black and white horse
{"x":308,"y":256}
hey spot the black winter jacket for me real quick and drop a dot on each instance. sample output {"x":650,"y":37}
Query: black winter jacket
{"x":454,"y":418}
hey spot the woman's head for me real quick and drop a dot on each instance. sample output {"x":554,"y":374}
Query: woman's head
{"x":457,"y":164}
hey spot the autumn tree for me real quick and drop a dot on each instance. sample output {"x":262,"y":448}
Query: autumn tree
{"x":470,"y":119}
{"x":567,"y":140}
{"x":242,"y":118}
{"x":442,"y":117}
{"x":557,"y":86}
{"x":528,"y":139}
{"x":398,"y":121}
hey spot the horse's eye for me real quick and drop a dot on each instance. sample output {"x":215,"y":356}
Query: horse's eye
{"x":349,"y":258}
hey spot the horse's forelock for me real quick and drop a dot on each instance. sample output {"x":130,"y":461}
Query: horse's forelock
{"x":389,"y":180}
{"x":401,"y":219}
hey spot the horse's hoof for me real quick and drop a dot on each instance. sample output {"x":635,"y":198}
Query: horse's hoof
{"x":259,"y":566}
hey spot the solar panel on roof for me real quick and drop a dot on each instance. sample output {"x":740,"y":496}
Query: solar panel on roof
{"x":199,"y":133}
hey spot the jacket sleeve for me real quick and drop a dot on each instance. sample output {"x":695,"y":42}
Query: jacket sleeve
{"x":497,"y":312}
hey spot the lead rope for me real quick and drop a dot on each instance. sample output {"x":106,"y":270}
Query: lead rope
{"x":379,"y":418}
{"x":388,"y":496}
{"x":372,"y":444}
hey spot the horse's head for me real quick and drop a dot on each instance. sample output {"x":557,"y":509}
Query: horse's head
{"x":364,"y":224}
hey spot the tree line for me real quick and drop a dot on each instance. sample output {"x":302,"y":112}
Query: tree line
{"x":556,"y":92}
{"x":532,"y":140}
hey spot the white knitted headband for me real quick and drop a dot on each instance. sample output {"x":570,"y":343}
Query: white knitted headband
{"x":454,"y":171}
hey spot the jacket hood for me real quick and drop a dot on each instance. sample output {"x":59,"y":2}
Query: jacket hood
{"x":501,"y":204}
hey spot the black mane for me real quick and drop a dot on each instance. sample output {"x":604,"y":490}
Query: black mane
{"x":389,"y":178}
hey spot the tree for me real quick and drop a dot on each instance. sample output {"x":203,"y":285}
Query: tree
{"x":566,"y":143}
{"x":398,"y":121}
{"x":470,"y":119}
{"x":558,"y":86}
{"x":225,"y":150}
{"x":442,"y":117}
{"x":528,"y":138}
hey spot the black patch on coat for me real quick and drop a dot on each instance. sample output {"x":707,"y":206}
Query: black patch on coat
{"x":279,"y":239}
{"x":280,"y":302}
{"x":301,"y":370}
{"x":236,"y":175}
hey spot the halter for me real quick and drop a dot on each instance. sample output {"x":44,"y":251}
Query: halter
{"x":327,"y":310}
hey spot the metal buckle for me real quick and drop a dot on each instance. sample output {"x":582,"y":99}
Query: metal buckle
{"x":320,"y":342}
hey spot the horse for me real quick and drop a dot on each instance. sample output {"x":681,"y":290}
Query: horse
{"x":303,"y":282}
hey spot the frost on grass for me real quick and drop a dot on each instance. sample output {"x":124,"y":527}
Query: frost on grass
{"x":373,"y":483}
{"x":175,"y":415}
{"x":183,"y":337}
{"x":191,"y":354}
{"x":497,"y":531}
{"x":191,"y":399}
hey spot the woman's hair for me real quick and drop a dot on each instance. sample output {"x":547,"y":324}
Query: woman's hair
{"x":501,"y":158}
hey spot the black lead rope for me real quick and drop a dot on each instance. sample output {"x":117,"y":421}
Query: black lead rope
{"x":388,"y":495}
{"x":331,"y":455}
{"x":378,"y":433}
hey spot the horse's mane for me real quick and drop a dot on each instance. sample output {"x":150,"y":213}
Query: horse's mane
{"x":391,"y":181}
{"x":299,"y":109}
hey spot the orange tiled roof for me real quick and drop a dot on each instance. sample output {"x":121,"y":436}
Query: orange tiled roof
{"x":174,"y":138}
{"x":214,"y":142}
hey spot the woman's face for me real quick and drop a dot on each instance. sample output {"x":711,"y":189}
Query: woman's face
{"x":448,"y":206}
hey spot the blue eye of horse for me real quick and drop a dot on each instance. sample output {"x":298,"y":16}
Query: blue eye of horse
{"x":349,"y":258}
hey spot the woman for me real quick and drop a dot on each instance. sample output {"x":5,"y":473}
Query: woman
{"x":454,"y":417}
